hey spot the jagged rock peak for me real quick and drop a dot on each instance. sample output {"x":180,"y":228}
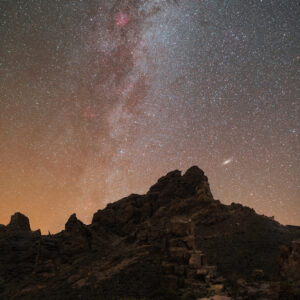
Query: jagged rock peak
{"x":195,"y":172}
{"x":73,"y":223}
{"x":174,"y":184}
{"x":19,"y":221}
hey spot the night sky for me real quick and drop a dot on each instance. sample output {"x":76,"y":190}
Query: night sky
{"x":98,"y":99}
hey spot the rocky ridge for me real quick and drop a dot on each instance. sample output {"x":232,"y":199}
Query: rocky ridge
{"x":175,"y":242}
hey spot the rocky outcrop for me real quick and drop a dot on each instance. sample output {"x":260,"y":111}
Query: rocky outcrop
{"x":290,"y":269}
{"x":290,"y":261}
{"x":174,"y":242}
{"x":19,"y":222}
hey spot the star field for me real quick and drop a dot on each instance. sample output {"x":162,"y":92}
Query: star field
{"x":98,"y":99}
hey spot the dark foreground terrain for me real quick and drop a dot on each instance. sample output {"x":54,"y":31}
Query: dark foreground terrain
{"x":175,"y":242}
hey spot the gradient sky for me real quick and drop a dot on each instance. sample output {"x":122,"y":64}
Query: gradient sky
{"x":98,"y":99}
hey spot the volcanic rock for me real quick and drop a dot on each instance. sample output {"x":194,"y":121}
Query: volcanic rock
{"x":174,"y":242}
{"x":290,"y":268}
{"x":20,"y":222}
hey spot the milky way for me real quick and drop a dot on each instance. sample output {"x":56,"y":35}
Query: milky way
{"x":98,"y":99}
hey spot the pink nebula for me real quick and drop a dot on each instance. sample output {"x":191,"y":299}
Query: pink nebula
{"x":122,"y":19}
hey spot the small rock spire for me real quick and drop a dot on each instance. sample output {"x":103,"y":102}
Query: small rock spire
{"x":19,"y":221}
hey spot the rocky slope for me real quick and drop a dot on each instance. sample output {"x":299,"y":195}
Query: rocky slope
{"x":175,"y":242}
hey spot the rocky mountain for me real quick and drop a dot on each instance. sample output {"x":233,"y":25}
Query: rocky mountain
{"x":175,"y":242}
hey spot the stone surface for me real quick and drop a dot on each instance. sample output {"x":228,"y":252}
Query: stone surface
{"x":290,"y":268}
{"x":19,"y":221}
{"x":175,"y":242}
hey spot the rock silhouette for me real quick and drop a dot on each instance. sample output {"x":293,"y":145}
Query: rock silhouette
{"x":174,"y":242}
{"x":19,"y":222}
